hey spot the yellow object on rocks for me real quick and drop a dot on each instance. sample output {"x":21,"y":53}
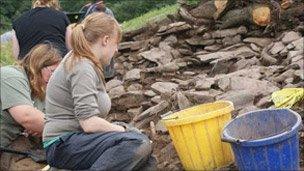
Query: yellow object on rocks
{"x":196,"y":135}
{"x":287,"y":97}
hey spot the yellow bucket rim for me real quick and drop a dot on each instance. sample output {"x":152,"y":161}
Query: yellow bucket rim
{"x":175,"y":119}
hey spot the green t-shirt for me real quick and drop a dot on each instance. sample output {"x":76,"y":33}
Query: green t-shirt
{"x":15,"y":90}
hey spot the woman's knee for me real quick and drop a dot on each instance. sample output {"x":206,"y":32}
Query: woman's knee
{"x":144,"y":148}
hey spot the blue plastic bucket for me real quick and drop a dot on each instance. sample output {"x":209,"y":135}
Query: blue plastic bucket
{"x":265,"y":139}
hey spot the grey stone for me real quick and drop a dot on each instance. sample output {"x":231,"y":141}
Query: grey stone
{"x":247,"y":109}
{"x":138,"y":45}
{"x":229,"y":32}
{"x":284,"y":52}
{"x":135,"y":58}
{"x":264,"y":102}
{"x":171,"y":40}
{"x":262,"y":42}
{"x":132,"y":75}
{"x":290,"y":36}
{"x":299,"y":44}
{"x":226,"y":55}
{"x":293,"y":54}
{"x":199,"y":97}
{"x":285,"y":75}
{"x":256,"y":87}
{"x":157,"y":55}
{"x":214,"y":93}
{"x":297,"y":58}
{"x":175,"y":54}
{"x":156,"y":99}
{"x":255,"y":47}
{"x":227,"y":41}
{"x":277,"y":47}
{"x":198,"y":41}
{"x":119,"y":68}
{"x":189,"y":73}
{"x":164,"y":87}
{"x":204,"y":84}
{"x":299,"y":73}
{"x":117,"y":91}
{"x":112,"y":84}
{"x":207,"y":36}
{"x":174,"y":28}
{"x":128,"y":65}
{"x":239,"y":98}
{"x":182,"y":84}
{"x":289,"y":80}
{"x":160,"y":127}
{"x":154,"y":110}
{"x":150,"y":93}
{"x":182,"y":101}
{"x":290,"y":46}
{"x":135,"y":111}
{"x":266,"y":59}
{"x":125,"y":45}
{"x":135,"y":87}
{"x":245,"y":63}
{"x":224,"y":84}
{"x":128,"y":100}
{"x":213,"y":48}
{"x":185,"y":52}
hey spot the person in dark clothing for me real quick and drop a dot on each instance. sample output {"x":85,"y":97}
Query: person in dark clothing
{"x":43,"y":23}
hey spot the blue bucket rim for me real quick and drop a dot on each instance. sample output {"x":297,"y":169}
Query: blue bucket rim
{"x":263,"y":141}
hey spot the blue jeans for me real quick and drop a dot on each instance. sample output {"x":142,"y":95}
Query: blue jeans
{"x":100,"y":151}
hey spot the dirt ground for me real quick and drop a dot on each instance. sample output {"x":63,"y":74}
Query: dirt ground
{"x":163,"y":150}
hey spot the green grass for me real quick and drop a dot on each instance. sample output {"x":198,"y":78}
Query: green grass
{"x":6,"y":56}
{"x":151,"y":16}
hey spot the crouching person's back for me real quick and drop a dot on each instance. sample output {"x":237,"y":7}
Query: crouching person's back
{"x":76,"y":135}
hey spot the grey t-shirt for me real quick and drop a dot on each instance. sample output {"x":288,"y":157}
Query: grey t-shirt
{"x":15,"y":90}
{"x":72,"y":96}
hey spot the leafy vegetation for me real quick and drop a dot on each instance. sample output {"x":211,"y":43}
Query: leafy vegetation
{"x":123,"y":10}
{"x":6,"y":56}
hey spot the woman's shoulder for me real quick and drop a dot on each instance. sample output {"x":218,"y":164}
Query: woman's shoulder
{"x":84,"y":64}
{"x":79,"y":65}
{"x":12,"y":72}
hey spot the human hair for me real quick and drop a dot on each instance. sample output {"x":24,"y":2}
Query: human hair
{"x":85,"y":34}
{"x":40,"y":56}
{"x":46,"y":3}
{"x":100,"y":5}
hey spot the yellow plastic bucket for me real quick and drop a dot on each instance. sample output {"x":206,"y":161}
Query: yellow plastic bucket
{"x":196,"y":135}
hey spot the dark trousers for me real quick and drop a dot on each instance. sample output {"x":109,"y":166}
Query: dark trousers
{"x":100,"y":151}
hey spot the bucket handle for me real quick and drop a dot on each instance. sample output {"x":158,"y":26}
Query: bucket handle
{"x":231,"y":140}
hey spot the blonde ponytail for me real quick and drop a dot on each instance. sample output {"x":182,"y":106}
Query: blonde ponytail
{"x":82,"y":49}
{"x":46,"y":3}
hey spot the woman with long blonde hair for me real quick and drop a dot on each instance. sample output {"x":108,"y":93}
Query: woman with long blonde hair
{"x":44,"y":22}
{"x":76,"y":135}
